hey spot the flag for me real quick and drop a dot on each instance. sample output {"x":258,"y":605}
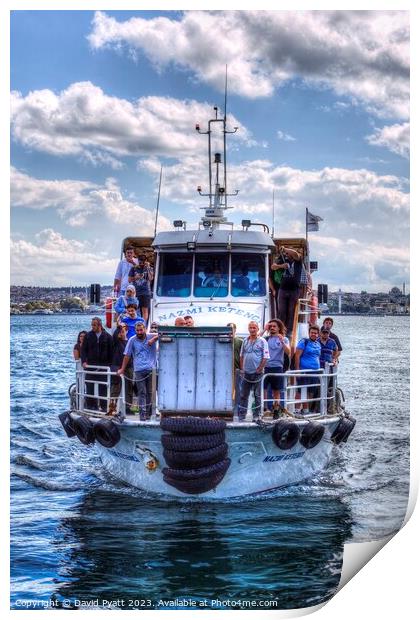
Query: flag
{"x":312,"y":221}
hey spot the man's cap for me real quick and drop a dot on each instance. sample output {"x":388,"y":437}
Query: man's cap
{"x":325,"y":330}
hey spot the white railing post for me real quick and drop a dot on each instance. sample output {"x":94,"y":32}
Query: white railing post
{"x":153,"y":416}
{"x":324,"y":390}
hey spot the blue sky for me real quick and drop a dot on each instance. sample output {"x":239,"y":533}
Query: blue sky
{"x":100,"y":99}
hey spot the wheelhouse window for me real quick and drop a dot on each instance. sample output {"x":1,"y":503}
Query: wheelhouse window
{"x":174,"y":278}
{"x":248,"y":275}
{"x":211,"y":275}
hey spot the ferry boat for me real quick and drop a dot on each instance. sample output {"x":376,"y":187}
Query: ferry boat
{"x":194,"y":443}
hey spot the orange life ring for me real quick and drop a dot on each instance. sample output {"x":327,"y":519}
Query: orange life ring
{"x":313,"y":317}
{"x":108,"y":311}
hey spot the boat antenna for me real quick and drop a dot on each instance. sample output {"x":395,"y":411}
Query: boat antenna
{"x":224,"y":138}
{"x":158,"y":200}
{"x":272,"y":230}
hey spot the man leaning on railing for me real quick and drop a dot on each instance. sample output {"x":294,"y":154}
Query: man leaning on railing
{"x":96,"y":351}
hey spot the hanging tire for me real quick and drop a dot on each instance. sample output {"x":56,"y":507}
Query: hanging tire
{"x":67,"y":423}
{"x":285,"y":434}
{"x":189,"y":460}
{"x":191,"y":443}
{"x":200,"y":472}
{"x":106,"y":433}
{"x":350,"y":429}
{"x":311,"y":435}
{"x":192,"y":425}
{"x":343,"y":430}
{"x":83,"y":428}
{"x":195,"y":487}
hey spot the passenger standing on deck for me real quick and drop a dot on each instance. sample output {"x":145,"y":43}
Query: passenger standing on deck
{"x":189,"y":321}
{"x":78,"y":346}
{"x":237,"y":346}
{"x":123,"y":269}
{"x":96,"y":351}
{"x":329,"y":349}
{"x":141,"y":276}
{"x":254,"y":355}
{"x":131,"y":319}
{"x":307,"y":357}
{"x":119,"y":342}
{"x":142,"y":349}
{"x":290,"y":261}
{"x":328,"y":323}
{"x":278,"y":345}
{"x":123,"y":301}
{"x":180,"y":322}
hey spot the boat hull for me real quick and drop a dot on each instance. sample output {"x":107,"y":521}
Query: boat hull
{"x":257,"y":464}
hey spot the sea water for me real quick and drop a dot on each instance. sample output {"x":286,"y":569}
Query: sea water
{"x":82,"y":540}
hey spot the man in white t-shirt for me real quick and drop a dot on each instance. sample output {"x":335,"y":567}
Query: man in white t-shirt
{"x":123,"y":269}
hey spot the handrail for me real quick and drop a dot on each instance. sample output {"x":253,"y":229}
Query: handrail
{"x":291,"y":387}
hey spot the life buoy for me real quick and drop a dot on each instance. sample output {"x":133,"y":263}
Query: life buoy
{"x":311,"y":435}
{"x":106,"y":433}
{"x":313,"y":317}
{"x":109,"y":303}
{"x":285,"y":434}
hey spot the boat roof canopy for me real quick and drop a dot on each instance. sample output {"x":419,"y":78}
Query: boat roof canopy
{"x":219,"y":240}
{"x":215,"y":239}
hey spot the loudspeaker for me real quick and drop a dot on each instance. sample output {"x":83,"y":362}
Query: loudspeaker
{"x":322,"y":293}
{"x":95,"y":293}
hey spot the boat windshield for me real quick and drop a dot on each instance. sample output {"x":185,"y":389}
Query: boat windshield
{"x":211,"y":275}
{"x":215,"y":275}
{"x":248,"y":275}
{"x":175,"y":275}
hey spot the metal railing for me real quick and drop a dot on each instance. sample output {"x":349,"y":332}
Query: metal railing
{"x":94,"y":392}
{"x":324,"y":386}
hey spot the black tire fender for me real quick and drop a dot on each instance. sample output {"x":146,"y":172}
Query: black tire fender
{"x":106,"y":433}
{"x":67,"y":423}
{"x":192,"y":443}
{"x":311,"y":435}
{"x":190,"y":460}
{"x":191,"y":425}
{"x":197,"y":486}
{"x":83,"y":428}
{"x":200,"y":472}
{"x":343,"y":430}
{"x":285,"y":434}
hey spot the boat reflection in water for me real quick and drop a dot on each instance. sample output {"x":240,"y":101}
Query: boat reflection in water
{"x":285,"y":551}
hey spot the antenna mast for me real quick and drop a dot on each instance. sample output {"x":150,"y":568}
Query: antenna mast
{"x":158,"y":200}
{"x":217,"y":194}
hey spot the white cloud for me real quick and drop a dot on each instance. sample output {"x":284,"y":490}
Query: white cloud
{"x":83,"y":121}
{"x":361,"y":54}
{"x":285,"y":136}
{"x":56,"y":261}
{"x":396,"y":138}
{"x":76,"y":201}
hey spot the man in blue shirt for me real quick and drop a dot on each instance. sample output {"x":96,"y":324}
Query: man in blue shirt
{"x":142,"y":348}
{"x":329,"y":349}
{"x":307,"y":357}
{"x":131,"y":320}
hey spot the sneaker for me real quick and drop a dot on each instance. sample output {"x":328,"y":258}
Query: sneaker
{"x":305,"y":411}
